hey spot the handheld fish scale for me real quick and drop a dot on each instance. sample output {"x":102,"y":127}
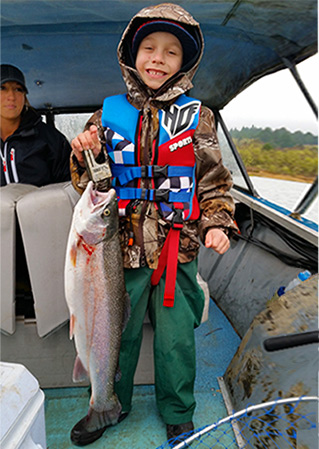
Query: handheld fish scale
{"x":99,"y":173}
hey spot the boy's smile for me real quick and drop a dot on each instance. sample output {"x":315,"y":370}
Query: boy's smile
{"x":159,"y":57}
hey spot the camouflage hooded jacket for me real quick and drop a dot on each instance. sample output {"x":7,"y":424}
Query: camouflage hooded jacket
{"x":212,"y":178}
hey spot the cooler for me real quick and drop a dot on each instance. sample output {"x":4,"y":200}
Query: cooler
{"x":22,"y":423}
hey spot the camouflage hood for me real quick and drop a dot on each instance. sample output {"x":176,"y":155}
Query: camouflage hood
{"x":180,"y":83}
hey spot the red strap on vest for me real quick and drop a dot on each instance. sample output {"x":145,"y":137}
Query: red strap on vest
{"x":168,"y":259}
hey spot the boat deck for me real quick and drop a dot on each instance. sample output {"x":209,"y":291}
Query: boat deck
{"x":216,"y":343}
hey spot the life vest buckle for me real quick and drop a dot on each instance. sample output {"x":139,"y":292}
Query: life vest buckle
{"x":177,"y":220}
{"x":162,"y":195}
{"x":154,"y":171}
{"x":160,"y":171}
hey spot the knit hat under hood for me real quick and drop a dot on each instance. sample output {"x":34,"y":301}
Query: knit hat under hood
{"x":188,"y":42}
{"x":163,"y":17}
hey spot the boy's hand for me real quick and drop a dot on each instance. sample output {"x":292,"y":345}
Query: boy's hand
{"x":217,"y":240}
{"x":86,"y":141}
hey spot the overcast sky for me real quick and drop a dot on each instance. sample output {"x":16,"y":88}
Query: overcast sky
{"x":277,"y":101}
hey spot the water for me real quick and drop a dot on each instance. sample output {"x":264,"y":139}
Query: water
{"x":285,"y":193}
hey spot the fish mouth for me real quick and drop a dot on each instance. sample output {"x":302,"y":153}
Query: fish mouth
{"x":100,"y":199}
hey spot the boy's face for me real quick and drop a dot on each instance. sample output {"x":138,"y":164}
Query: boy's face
{"x":159,"y":57}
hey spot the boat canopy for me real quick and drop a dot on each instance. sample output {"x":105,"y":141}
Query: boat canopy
{"x":67,"y":48}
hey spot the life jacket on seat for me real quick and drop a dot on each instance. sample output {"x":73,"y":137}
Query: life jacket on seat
{"x":171,"y":173}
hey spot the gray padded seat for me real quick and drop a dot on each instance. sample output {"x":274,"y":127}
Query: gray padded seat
{"x":9,"y":197}
{"x":44,"y":216}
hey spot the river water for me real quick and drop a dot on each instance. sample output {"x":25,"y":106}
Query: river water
{"x":285,"y":193}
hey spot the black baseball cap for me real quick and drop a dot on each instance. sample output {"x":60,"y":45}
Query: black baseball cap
{"x":11,"y":73}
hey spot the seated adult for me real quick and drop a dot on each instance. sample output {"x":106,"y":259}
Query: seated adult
{"x":32,"y":152}
{"x":33,"y":155}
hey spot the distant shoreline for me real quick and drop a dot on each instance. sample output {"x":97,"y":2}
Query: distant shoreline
{"x":265,"y":174}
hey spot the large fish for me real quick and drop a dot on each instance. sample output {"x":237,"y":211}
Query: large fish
{"x":96,"y":297}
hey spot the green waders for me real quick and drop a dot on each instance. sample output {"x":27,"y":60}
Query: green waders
{"x":174,"y":340}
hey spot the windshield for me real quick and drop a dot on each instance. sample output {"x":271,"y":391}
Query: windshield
{"x":71,"y":124}
{"x":230,"y":162}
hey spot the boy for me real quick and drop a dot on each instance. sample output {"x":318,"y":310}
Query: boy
{"x":172,"y":187}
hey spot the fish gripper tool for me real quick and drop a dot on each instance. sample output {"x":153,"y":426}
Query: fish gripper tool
{"x":99,"y":172}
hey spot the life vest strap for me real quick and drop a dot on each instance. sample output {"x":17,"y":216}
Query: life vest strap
{"x":126,"y":174}
{"x":168,"y":259}
{"x":132,"y":193}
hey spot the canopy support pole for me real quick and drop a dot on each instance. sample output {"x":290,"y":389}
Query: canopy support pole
{"x":292,"y":67}
{"x":306,"y":201}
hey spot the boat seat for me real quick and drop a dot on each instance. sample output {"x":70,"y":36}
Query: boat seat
{"x":44,"y":216}
{"x":9,"y":196}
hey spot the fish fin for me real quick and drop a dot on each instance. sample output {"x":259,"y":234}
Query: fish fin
{"x":71,"y":331}
{"x":80,"y":374}
{"x":127,"y":310}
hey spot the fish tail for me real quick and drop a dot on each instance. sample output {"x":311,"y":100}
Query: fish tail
{"x":97,"y":420}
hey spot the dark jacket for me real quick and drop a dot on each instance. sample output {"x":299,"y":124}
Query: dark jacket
{"x":35,"y":153}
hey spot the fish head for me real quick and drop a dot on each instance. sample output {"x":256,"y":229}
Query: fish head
{"x":96,"y":215}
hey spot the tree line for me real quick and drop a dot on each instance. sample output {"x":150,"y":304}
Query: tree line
{"x":276,"y":138}
{"x":261,"y":157}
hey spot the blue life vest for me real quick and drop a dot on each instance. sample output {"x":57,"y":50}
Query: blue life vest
{"x":172,"y":170}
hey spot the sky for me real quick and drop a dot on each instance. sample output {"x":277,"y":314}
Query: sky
{"x":276,"y":101}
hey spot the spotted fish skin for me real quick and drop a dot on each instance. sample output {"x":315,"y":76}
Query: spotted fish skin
{"x":96,"y":297}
